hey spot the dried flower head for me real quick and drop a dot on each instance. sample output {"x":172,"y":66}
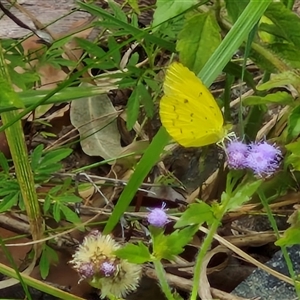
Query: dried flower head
{"x":158,"y":217}
{"x":96,"y":262}
{"x":236,"y":154}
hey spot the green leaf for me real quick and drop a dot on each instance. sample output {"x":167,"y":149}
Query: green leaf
{"x":117,"y":11}
{"x":293,"y":125}
{"x":280,"y":80}
{"x":9,"y":201}
{"x":116,"y":55}
{"x":55,"y":156}
{"x":70,"y":215}
{"x":36,"y":156}
{"x":286,"y":20}
{"x":146,"y":100}
{"x":168,"y":9}
{"x":138,"y":33}
{"x":290,"y":237}
{"x":3,"y":163}
{"x":56,"y":212}
{"x":136,"y":254}
{"x":90,"y":47}
{"x":196,"y":213}
{"x":198,"y":39}
{"x":278,"y":97}
{"x":235,"y":8}
{"x":68,"y":199}
{"x":242,"y":195}
{"x":48,"y":256}
{"x":132,"y":108}
{"x":287,"y":52}
{"x":168,"y":246}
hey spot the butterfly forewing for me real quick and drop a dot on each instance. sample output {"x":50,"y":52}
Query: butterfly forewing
{"x":188,"y":110}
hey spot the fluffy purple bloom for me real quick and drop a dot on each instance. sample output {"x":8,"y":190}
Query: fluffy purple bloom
{"x":107,"y":269}
{"x":236,"y":154}
{"x":86,"y":270}
{"x":158,"y":217}
{"x":263,"y":159}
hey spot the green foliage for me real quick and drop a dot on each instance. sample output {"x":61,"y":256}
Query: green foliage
{"x":137,"y":254}
{"x":168,"y":246}
{"x":198,"y":39}
{"x":44,"y":166}
{"x":196,"y":213}
{"x":48,"y":257}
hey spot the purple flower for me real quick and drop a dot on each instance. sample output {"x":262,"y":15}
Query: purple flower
{"x":158,"y":217}
{"x":107,"y":269}
{"x":236,"y":154}
{"x":263,"y":159}
{"x":86,"y":270}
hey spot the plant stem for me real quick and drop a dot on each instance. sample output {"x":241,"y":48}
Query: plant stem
{"x":17,"y":145}
{"x":162,"y":279}
{"x":206,"y":245}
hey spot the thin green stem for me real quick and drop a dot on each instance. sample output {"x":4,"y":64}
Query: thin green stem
{"x":206,"y":245}
{"x":161,"y":274}
{"x":283,"y":248}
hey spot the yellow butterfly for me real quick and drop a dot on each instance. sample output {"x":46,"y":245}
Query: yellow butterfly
{"x":188,"y":110}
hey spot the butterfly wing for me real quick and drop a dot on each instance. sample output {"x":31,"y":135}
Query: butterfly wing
{"x":188,"y":111}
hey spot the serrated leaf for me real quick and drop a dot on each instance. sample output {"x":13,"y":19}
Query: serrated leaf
{"x":168,"y":9}
{"x":196,"y":213}
{"x":293,"y":125}
{"x":287,"y":52}
{"x":199,"y":38}
{"x":280,"y":80}
{"x":168,"y":246}
{"x":136,"y":254}
{"x":235,"y":8}
{"x":242,"y":195}
{"x":95,"y":119}
{"x":286,"y":20}
{"x":278,"y":97}
{"x":290,"y":237}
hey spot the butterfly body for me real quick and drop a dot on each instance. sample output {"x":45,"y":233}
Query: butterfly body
{"x":188,"y":110}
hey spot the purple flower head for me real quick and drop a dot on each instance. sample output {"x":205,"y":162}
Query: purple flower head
{"x":107,"y":269}
{"x":236,"y":154}
{"x":86,"y":270}
{"x":158,"y":217}
{"x":263,"y":159}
